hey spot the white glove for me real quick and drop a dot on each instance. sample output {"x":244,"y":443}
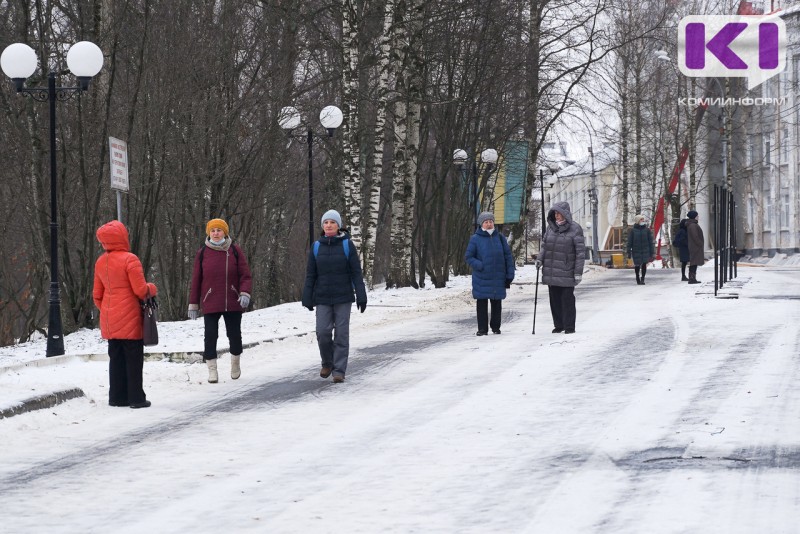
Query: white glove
{"x":194,"y":314}
{"x":578,"y":279}
{"x":244,"y":300}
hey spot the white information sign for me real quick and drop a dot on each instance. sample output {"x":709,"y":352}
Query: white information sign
{"x":118,"y":155}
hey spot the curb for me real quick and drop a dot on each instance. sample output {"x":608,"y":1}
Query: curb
{"x":52,"y":399}
{"x":42,"y":401}
{"x":191,"y":356}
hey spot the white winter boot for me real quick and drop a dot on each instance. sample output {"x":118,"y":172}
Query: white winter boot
{"x":236,"y":370}
{"x":213,"y":377}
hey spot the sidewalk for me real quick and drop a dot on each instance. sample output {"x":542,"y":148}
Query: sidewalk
{"x":29,"y":381}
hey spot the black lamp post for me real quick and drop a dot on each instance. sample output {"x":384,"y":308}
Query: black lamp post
{"x":18,"y":62}
{"x":551,"y":181}
{"x":460,"y":158}
{"x":331,"y":118}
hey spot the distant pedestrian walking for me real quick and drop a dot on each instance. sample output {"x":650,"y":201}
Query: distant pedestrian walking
{"x":221,"y":285}
{"x":562,"y":257}
{"x":119,"y":288}
{"x":681,"y":242}
{"x":696,"y":246}
{"x":333,"y":274}
{"x":492,"y":265}
{"x":641,"y":248}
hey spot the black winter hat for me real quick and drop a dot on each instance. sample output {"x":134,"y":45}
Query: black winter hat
{"x":692,"y":214}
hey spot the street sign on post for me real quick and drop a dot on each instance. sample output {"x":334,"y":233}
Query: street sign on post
{"x":118,"y":157}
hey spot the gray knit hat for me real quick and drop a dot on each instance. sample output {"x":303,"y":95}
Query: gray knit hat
{"x":332,"y":215}
{"x":485,"y":216}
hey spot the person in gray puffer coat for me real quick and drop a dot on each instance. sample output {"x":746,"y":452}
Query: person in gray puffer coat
{"x":561,"y":257}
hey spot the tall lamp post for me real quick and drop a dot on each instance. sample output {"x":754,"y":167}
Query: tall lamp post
{"x":84,"y":60}
{"x":460,"y":158}
{"x":593,"y":198}
{"x":331,"y":118}
{"x":551,"y":181}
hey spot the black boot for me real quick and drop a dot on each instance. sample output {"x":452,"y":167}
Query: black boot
{"x":693,"y":275}
{"x":683,"y":272}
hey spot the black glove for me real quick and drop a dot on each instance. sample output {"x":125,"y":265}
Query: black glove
{"x":362,"y":306}
{"x":508,"y":283}
{"x":310,"y":308}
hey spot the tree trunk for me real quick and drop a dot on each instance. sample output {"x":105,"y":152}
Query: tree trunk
{"x":382,"y":92}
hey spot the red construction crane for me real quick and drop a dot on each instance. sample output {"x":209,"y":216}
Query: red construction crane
{"x":745,"y":8}
{"x":676,"y":173}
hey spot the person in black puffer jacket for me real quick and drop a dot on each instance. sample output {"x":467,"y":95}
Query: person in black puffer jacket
{"x":681,"y":241}
{"x":332,"y":275}
{"x":641,"y":248}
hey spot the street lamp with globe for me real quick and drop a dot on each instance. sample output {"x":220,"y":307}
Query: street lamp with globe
{"x":289,"y":119}
{"x":19,"y":62}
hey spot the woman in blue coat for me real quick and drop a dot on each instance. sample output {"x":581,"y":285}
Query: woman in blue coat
{"x":492,"y":265}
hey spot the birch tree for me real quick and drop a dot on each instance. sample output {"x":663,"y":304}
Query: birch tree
{"x":382,"y":101}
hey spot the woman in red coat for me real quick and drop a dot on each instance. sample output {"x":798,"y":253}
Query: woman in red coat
{"x":221,"y":285}
{"x":119,"y":288}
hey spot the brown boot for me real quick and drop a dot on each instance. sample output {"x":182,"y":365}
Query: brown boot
{"x":325,"y":372}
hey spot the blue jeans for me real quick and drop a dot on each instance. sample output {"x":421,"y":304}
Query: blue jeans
{"x":334,"y":350}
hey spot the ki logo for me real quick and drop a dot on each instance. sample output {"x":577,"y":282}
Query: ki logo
{"x":735,"y":46}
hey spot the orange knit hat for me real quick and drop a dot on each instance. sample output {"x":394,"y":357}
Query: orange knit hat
{"x":216,"y":223}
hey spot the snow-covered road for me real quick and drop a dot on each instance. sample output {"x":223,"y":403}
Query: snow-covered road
{"x":668,"y":411}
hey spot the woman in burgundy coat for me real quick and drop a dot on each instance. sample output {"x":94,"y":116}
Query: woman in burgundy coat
{"x":221,"y":286}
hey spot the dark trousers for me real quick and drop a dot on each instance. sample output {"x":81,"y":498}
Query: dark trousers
{"x":483,"y":314}
{"x":643,"y":268}
{"x":233,"y":326}
{"x":126,"y":360}
{"x":562,"y":307}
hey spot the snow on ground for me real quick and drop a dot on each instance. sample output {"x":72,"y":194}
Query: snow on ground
{"x":669,"y":410}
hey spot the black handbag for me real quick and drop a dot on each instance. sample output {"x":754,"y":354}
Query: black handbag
{"x":150,"y":320}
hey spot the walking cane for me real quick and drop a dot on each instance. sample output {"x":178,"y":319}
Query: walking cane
{"x":541,"y":240}
{"x":536,"y":297}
